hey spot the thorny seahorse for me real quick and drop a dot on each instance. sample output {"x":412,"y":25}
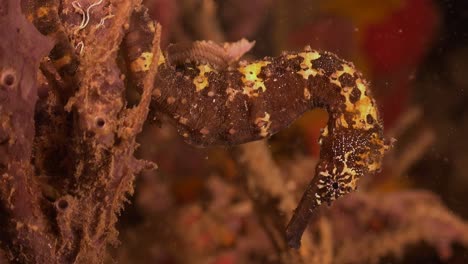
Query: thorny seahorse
{"x":212,"y":104}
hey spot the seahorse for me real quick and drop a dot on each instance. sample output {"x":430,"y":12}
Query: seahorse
{"x":213,"y":105}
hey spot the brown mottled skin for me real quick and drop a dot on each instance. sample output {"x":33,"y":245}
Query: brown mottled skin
{"x":236,"y":105}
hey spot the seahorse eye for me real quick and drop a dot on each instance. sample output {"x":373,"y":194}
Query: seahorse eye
{"x":335,"y":185}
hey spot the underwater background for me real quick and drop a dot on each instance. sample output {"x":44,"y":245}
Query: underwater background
{"x":197,"y":206}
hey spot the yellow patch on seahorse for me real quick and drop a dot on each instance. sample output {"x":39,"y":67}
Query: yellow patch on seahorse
{"x":201,"y":80}
{"x":307,"y":94}
{"x":142,"y":63}
{"x":372,"y":167}
{"x":231,"y":94}
{"x":264,"y":124}
{"x":341,"y":122}
{"x":346,"y":169}
{"x":364,"y":107}
{"x":376,"y":140}
{"x":353,"y":183}
{"x":334,"y":81}
{"x":348,"y":69}
{"x":65,"y":60}
{"x":334,"y":78}
{"x":307,"y":68}
{"x":348,"y":174}
{"x":346,"y":91}
{"x":325,"y":132}
{"x":161,"y":59}
{"x":252,"y":83}
{"x":361,"y":86}
{"x":42,"y":12}
{"x":151,"y":26}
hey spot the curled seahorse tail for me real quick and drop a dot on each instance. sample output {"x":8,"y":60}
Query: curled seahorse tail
{"x":138,"y":46}
{"x":45,"y":16}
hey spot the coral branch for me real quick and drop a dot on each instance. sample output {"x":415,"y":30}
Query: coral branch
{"x":273,"y":202}
{"x":388,"y":224}
{"x":104,"y":139}
{"x":86,"y":187}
